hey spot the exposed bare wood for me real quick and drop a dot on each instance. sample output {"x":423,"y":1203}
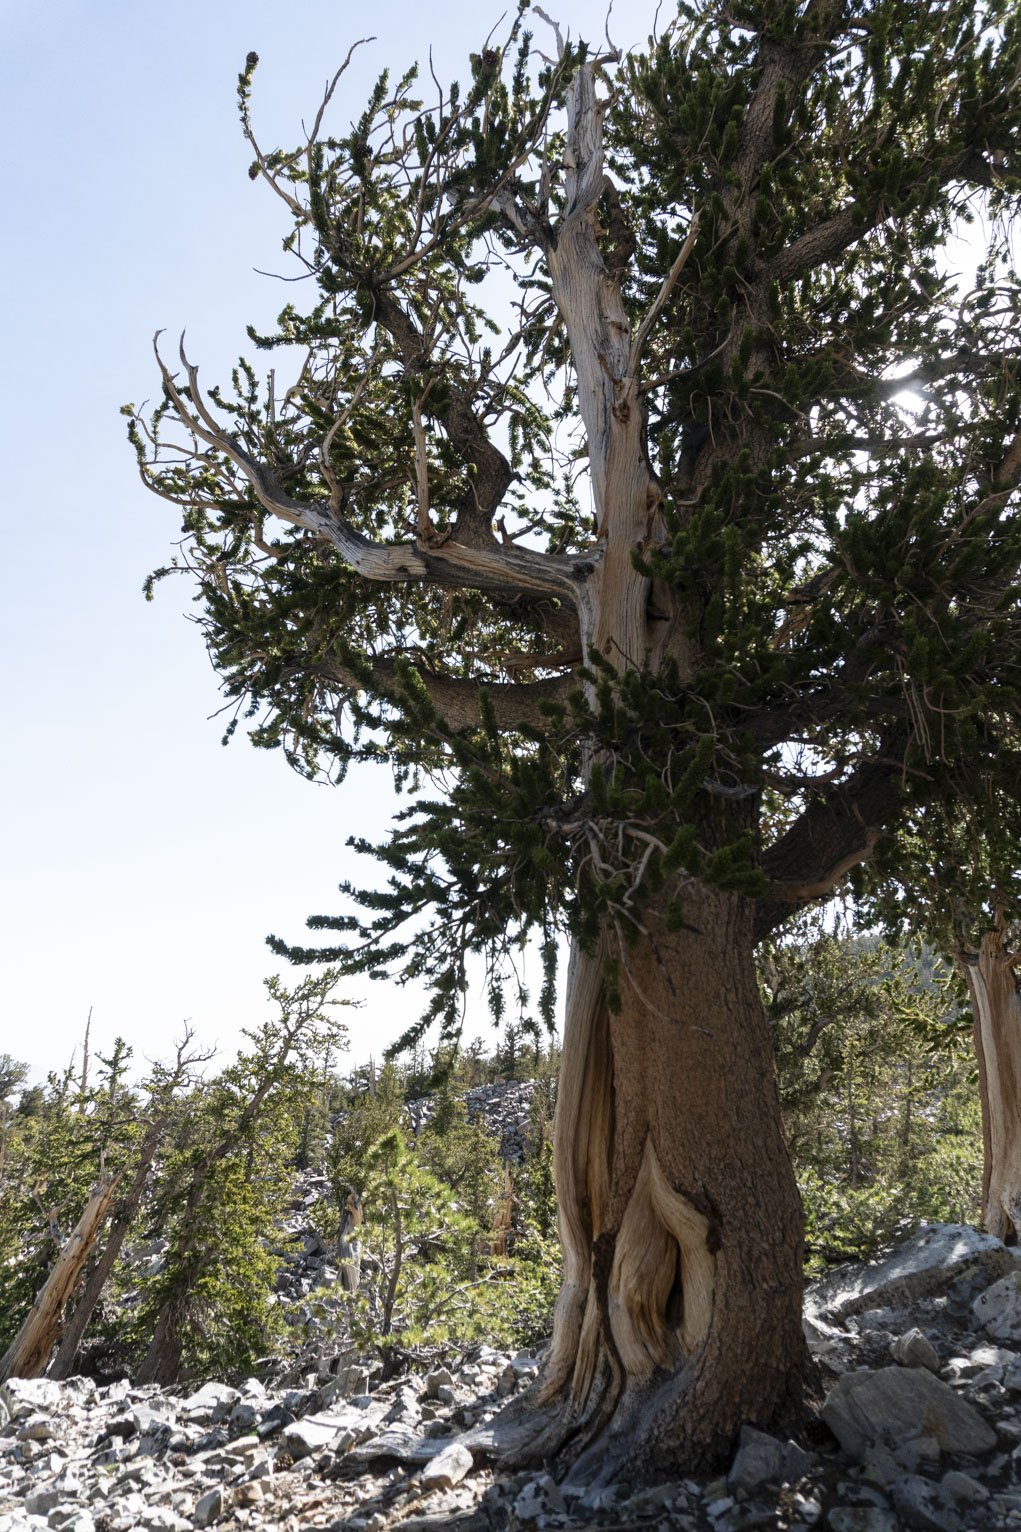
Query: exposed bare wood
{"x":503,"y":570}
{"x":502,"y":1217}
{"x":123,"y":1213}
{"x":349,"y":1245}
{"x":29,"y":1351}
{"x":659,"y":1232}
{"x":996,"y":1026}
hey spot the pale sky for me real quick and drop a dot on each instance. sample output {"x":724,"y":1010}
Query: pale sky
{"x":143,"y":864}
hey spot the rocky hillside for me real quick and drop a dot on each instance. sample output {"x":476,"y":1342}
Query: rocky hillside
{"x":505,"y":1108}
{"x":920,"y":1355}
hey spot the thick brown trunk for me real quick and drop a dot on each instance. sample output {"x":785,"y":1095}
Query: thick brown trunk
{"x":29,"y":1351}
{"x":162,"y":1360}
{"x":996,"y":1025}
{"x":680,"y":1316}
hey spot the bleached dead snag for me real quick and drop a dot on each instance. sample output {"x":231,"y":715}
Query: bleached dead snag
{"x":349,"y":1245}
{"x":991,"y":976}
{"x":123,"y":1215}
{"x":502,"y":1217}
{"x":29,"y":1352}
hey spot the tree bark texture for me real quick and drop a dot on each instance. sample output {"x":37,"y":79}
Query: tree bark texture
{"x":680,"y":1315}
{"x":996,"y":1023}
{"x":29,"y":1351}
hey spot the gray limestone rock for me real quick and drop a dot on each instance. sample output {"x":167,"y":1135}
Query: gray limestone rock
{"x":998,"y":1309}
{"x":963,"y":1489}
{"x":41,"y":1501}
{"x":439,"y":1378}
{"x":861,"y":1518}
{"x":921,"y":1503}
{"x":895,"y":1405}
{"x":211,"y":1505}
{"x":913,"y":1349}
{"x":538,"y":1502}
{"x":447,"y":1468}
{"x":161,"y":1518}
{"x":37,"y":1428}
{"x":71,"y":1518}
{"x":74,"y":1519}
{"x":244,"y":1415}
{"x":761,"y":1459}
{"x":312,"y":1434}
{"x":927,"y":1263}
{"x":213,"y":1401}
{"x":353,"y":1380}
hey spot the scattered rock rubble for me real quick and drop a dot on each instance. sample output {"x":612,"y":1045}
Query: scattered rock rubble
{"x":505,"y":1107}
{"x":920,"y":1355}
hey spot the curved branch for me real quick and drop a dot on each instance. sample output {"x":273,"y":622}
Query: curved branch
{"x":503,"y":570}
{"x":834,"y":235}
{"x":457,"y":699}
{"x":800,"y":893}
{"x":836,"y":832}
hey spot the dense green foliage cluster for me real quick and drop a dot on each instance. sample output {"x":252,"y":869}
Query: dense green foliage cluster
{"x":878,"y":1086}
{"x":193,"y":1291}
{"x":207,"y":1168}
{"x":436,"y":1205}
{"x":833,"y":429}
{"x":55,"y":1141}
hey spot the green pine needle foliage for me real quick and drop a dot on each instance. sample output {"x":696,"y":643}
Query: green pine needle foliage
{"x":833,"y":422}
{"x":878,"y":1087}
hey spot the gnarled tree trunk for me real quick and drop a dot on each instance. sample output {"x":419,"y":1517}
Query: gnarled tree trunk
{"x":996,"y":1023}
{"x":680,"y":1315}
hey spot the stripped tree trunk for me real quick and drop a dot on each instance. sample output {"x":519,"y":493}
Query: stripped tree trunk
{"x":502,"y":1217}
{"x":349,"y":1245}
{"x":29,"y":1352}
{"x":991,"y":977}
{"x":123,"y":1215}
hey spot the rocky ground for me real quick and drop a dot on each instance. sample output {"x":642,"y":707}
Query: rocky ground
{"x":920,"y":1355}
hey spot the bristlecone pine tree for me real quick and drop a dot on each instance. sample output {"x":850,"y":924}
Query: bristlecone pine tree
{"x":647,"y":485}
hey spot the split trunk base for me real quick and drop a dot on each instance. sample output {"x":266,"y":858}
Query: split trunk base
{"x":680,"y":1315}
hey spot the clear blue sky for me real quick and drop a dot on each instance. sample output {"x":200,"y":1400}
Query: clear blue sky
{"x":142,"y":863}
